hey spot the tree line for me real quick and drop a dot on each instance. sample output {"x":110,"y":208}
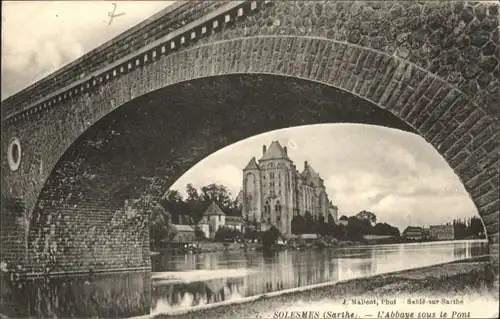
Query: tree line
{"x":468,"y":228}
{"x":165,"y":207}
{"x":363,"y":223}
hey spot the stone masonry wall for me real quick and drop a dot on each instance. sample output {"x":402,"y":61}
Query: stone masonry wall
{"x":112,"y":51}
{"x":432,"y":64}
{"x":458,"y":41}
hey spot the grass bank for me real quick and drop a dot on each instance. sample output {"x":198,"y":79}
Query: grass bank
{"x":460,"y":277}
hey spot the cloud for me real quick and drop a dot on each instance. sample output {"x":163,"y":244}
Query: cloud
{"x":225,"y":174}
{"x":401,"y":190}
{"x":395,"y":174}
{"x":40,"y":37}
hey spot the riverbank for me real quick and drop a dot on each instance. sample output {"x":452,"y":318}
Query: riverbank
{"x":459,"y":278}
{"x":319,"y":243}
{"x":209,"y":247}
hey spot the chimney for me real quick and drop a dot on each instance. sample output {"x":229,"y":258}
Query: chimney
{"x":305,"y":164}
{"x":263,"y":149}
{"x":286,"y":151}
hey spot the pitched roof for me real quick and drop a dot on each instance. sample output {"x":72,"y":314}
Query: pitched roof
{"x":234,"y":220}
{"x":183,"y":227}
{"x":275,"y":151}
{"x":239,"y":198}
{"x":252,"y":165}
{"x":214,"y":209}
{"x":412,"y":229}
{"x":310,"y":172}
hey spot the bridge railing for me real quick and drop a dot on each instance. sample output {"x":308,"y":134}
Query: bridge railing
{"x":175,"y":27}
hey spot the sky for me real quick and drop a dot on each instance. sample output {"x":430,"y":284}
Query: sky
{"x":40,"y":37}
{"x":396,"y":175}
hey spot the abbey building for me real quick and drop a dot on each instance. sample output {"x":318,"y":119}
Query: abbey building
{"x":274,"y":191}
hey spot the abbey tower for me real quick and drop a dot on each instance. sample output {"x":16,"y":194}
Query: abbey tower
{"x":274,"y":191}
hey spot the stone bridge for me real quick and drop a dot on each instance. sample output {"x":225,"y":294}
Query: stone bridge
{"x":201,"y":75}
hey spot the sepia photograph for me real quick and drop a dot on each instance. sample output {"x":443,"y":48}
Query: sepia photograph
{"x":250,"y":159}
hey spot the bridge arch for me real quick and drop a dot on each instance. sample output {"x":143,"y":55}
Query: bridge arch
{"x":463,"y":132}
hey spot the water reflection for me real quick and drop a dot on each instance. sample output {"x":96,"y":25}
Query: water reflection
{"x":100,"y":295}
{"x":178,"y":283}
{"x":184,"y":281}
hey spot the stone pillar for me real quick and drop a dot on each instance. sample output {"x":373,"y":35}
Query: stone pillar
{"x":493,"y":266}
{"x":13,"y":235}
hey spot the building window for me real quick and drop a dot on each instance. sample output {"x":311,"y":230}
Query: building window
{"x":267,"y":208}
{"x":220,"y":218}
{"x":278,"y":219}
{"x":271,"y":175}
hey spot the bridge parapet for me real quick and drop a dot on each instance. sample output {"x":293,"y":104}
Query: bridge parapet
{"x":170,"y":30}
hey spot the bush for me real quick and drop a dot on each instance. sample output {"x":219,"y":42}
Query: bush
{"x":227,"y":233}
{"x":199,"y":233}
{"x":270,"y":236}
{"x":251,"y":233}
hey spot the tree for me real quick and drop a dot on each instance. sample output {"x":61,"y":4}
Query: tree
{"x":385,"y":229}
{"x":355,"y":228}
{"x":341,"y":232}
{"x":219,"y":194}
{"x":192,"y":193}
{"x":199,"y":233}
{"x":227,"y":233}
{"x":298,"y":225}
{"x":173,"y":202}
{"x":366,"y":215}
{"x":310,"y":224}
{"x":251,"y":233}
{"x":195,"y":207}
{"x":322,"y":225}
{"x":476,"y":227}
{"x":331,"y":227}
{"x":460,"y":229}
{"x":270,"y":236}
{"x":160,"y":224}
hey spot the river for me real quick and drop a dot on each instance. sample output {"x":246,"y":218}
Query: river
{"x":178,"y":282}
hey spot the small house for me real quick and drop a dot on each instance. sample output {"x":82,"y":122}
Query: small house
{"x":212,"y":220}
{"x":235,"y":222}
{"x":442,"y":232}
{"x":308,"y":237}
{"x":413,"y":233}
{"x":185,"y":234}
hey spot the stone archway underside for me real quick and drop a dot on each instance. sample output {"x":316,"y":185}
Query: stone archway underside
{"x":465,"y":133}
{"x":164,"y":133}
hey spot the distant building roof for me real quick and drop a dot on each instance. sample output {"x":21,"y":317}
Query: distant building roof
{"x":308,"y":236}
{"x":204,"y":220}
{"x":374,"y":237}
{"x":184,"y":228}
{"x":214,"y":209}
{"x":413,"y":228}
{"x":234,"y":220}
{"x":275,"y":151}
{"x":252,"y":165}
{"x":440,"y":226}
